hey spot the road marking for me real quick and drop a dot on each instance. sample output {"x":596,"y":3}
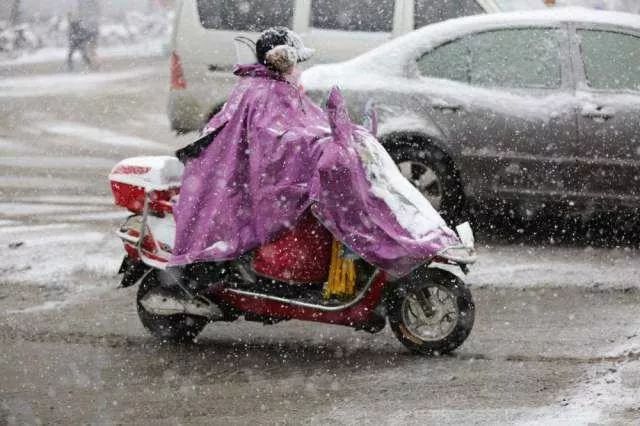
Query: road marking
{"x":15,"y":147}
{"x":42,"y":162}
{"x":35,"y":228}
{"x":65,"y":84}
{"x":95,"y":217}
{"x":66,"y":199}
{"x":29,"y":209}
{"x":99,"y":135}
{"x":67,"y":238}
{"x":30,"y":182}
{"x":46,"y":306}
{"x":147,"y":48}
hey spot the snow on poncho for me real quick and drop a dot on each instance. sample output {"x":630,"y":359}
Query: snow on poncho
{"x":274,"y":156}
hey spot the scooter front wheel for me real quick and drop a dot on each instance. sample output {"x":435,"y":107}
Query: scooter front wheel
{"x":431,"y":311}
{"x":173,"y":328}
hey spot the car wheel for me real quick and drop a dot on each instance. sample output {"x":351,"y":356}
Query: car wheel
{"x":431,"y":171}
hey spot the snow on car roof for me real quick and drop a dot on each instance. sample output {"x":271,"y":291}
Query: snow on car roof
{"x":390,"y":58}
{"x":437,"y":33}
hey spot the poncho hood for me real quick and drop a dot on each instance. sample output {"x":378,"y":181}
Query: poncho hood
{"x":256,"y":70}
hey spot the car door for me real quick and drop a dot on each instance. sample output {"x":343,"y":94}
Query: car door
{"x":608,"y":67}
{"x":511,"y":113}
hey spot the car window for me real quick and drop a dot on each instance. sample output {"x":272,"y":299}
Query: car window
{"x":353,"y":15}
{"x":611,"y":60}
{"x":427,"y":11}
{"x":516,"y":58}
{"x":245,"y":15}
{"x":449,"y":61}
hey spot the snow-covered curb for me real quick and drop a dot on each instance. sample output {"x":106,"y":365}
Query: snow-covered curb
{"x":588,"y":267}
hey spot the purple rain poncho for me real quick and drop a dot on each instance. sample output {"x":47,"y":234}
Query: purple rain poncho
{"x":275,"y":154}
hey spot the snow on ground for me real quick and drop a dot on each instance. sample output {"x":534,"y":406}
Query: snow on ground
{"x":498,"y":266}
{"x":149,"y":48}
{"x":42,"y":183}
{"x":96,"y":217}
{"x":42,"y":162}
{"x":603,"y":391}
{"x":348,"y":413}
{"x":70,"y":260}
{"x":50,"y":255}
{"x":31,"y":209}
{"x":160,"y":119}
{"x":56,"y":209}
{"x":68,"y":199}
{"x":73,"y":235}
{"x":66,"y":245}
{"x":556,"y":266}
{"x":48,"y":305}
{"x":15,"y":147}
{"x":67,"y":84}
{"x":19,"y":227}
{"x":99,"y":135}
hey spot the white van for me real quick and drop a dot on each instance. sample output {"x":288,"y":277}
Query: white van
{"x":203,"y":50}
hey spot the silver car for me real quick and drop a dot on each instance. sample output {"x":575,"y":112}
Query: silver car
{"x":540,"y":108}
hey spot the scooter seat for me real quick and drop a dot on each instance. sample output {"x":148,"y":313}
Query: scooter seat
{"x":300,"y":255}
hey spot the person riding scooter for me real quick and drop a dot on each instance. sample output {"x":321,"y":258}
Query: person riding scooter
{"x":285,"y":212}
{"x":271,"y":156}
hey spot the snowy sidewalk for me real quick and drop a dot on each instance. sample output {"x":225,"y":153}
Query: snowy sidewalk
{"x":145,"y":49}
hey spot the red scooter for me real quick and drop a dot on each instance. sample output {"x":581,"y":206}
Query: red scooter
{"x":431,"y":311}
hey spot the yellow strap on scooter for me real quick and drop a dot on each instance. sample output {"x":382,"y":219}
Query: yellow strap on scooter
{"x":342,"y":275}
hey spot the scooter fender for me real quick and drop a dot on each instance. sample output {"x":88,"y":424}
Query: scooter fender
{"x":132,"y":270}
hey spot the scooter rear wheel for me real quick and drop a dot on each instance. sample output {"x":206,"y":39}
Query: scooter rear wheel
{"x":172,"y":328}
{"x":431,"y":311}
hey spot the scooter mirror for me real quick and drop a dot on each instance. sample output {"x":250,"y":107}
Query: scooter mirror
{"x":245,"y":50}
{"x":370,"y":119}
{"x":466,"y":234}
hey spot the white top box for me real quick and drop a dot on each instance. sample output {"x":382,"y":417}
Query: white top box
{"x":157,"y":173}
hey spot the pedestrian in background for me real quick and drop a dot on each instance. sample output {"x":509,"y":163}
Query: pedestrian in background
{"x":79,"y":40}
{"x":84,"y":27}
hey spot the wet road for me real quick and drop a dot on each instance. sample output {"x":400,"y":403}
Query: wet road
{"x":556,"y":340}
